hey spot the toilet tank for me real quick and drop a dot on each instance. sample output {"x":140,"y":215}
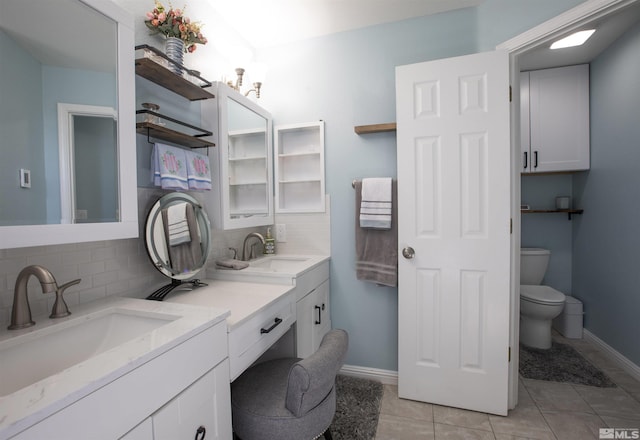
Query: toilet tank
{"x":533,"y":265}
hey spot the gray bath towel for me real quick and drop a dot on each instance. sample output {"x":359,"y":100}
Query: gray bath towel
{"x":377,"y":250}
{"x":185,"y":257}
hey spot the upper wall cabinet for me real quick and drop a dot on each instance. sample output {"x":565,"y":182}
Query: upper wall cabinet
{"x":244,"y":161}
{"x":555,"y":119}
{"x":68,"y":170}
{"x":299,"y":167}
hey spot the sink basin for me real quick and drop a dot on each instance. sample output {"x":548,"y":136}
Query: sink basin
{"x":279,"y":263}
{"x":31,"y":357}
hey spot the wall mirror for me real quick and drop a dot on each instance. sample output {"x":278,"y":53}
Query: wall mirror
{"x":66,"y":123}
{"x":178,"y":240}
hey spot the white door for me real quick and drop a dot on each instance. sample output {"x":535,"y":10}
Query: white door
{"x":454,"y":231}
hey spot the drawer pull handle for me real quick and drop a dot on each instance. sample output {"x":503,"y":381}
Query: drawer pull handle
{"x":319,"y":320}
{"x":201,"y":433}
{"x":276,"y":322}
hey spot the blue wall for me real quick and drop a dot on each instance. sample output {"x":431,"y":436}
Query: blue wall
{"x":549,"y":231}
{"x":348,"y":79}
{"x":21,"y":137}
{"x":606,"y":239}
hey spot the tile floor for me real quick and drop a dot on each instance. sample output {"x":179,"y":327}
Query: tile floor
{"x":546,"y":410}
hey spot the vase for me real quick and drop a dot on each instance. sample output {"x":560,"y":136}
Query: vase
{"x":174,"y":49}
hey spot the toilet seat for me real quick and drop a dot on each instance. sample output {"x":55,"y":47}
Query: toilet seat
{"x":541,"y":295}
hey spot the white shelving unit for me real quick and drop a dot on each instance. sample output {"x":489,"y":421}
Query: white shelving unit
{"x":299,"y":168}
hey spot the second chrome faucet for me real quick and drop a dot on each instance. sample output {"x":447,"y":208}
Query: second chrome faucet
{"x":21,"y":311}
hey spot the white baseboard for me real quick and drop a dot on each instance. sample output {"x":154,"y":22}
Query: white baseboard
{"x":388,"y":377}
{"x":616,"y":357}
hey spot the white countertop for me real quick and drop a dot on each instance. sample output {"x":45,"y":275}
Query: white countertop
{"x":242,"y":299}
{"x":258,"y":275}
{"x":35,"y":402}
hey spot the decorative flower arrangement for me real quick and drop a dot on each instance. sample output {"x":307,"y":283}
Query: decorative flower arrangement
{"x":172,"y":23}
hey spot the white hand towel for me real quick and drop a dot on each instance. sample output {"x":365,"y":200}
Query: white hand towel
{"x":178,"y":226}
{"x":169,"y":165}
{"x":375,"y":208}
{"x":198,"y":171}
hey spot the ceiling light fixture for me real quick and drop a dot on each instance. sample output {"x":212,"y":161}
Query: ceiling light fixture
{"x":575,"y":39}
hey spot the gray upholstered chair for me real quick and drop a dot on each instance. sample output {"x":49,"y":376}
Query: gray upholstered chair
{"x":291,"y":398}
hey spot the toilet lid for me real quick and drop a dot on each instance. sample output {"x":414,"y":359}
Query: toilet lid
{"x":541,"y":294}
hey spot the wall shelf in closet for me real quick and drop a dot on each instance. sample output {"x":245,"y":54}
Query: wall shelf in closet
{"x":569,"y":212}
{"x":375,"y":128}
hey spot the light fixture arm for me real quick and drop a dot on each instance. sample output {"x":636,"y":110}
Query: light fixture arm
{"x":256,"y":88}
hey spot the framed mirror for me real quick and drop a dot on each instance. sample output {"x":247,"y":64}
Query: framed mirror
{"x":178,"y":238}
{"x":74,"y":186}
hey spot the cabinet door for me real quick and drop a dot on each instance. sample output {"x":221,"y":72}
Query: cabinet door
{"x":144,"y":431}
{"x":559,"y":116}
{"x":202,"y":411}
{"x":299,"y":167}
{"x":313,"y":320}
{"x":243,"y":165}
{"x":525,"y":129}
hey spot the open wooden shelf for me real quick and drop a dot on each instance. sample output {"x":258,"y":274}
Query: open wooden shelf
{"x":375,"y":128}
{"x":154,"y":72}
{"x":166,"y":134}
{"x":569,"y":212}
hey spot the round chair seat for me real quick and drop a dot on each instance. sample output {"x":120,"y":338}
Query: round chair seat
{"x":258,"y":402}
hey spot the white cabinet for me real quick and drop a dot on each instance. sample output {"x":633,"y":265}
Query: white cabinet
{"x":202,"y":411}
{"x":154,"y":391}
{"x":299,"y":167}
{"x":242,"y":165}
{"x":555,"y":119}
{"x":313,"y":310}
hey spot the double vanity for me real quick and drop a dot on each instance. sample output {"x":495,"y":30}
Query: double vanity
{"x":127,"y":368}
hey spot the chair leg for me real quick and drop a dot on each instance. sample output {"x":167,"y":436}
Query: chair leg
{"x":327,"y":434}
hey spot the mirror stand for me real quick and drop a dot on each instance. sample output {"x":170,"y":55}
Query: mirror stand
{"x":177,"y":237}
{"x":159,"y":294}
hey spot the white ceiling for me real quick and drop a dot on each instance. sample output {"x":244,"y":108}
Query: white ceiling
{"x":265,"y":23}
{"x":608,"y":29}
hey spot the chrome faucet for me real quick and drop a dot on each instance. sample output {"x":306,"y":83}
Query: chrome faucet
{"x":244,"y":245}
{"x":21,"y":312}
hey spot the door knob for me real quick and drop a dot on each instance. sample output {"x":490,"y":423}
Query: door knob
{"x":408,"y":252}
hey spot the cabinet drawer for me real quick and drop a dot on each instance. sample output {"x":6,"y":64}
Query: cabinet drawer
{"x":250,"y":339}
{"x":309,"y":280}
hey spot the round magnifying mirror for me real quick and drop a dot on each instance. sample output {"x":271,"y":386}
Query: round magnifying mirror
{"x":177,"y":235}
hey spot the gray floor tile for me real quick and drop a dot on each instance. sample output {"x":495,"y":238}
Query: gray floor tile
{"x":554,"y":396}
{"x":394,"y":406}
{"x":574,"y":425}
{"x":400,"y":428}
{"x":461,"y":417}
{"x":525,"y":422}
{"x":614,"y":402}
{"x":449,"y":432}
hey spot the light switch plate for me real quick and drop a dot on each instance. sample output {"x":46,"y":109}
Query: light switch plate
{"x":25,"y":178}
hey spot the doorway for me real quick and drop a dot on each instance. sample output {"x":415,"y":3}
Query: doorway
{"x":518,"y":47}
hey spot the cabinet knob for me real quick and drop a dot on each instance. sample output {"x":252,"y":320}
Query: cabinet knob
{"x":201,"y":432}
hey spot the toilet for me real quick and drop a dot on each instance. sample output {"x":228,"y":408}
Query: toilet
{"x":538,"y":304}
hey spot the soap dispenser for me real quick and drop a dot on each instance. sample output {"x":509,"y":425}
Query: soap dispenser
{"x":269,"y":243}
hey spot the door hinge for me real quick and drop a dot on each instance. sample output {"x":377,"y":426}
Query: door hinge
{"x":510,"y":94}
{"x":509,"y":355}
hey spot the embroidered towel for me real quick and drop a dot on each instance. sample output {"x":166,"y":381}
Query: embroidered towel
{"x":376,"y":249}
{"x":169,"y":167}
{"x":375,"y":208}
{"x":198,"y":171}
{"x":177,"y":223}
